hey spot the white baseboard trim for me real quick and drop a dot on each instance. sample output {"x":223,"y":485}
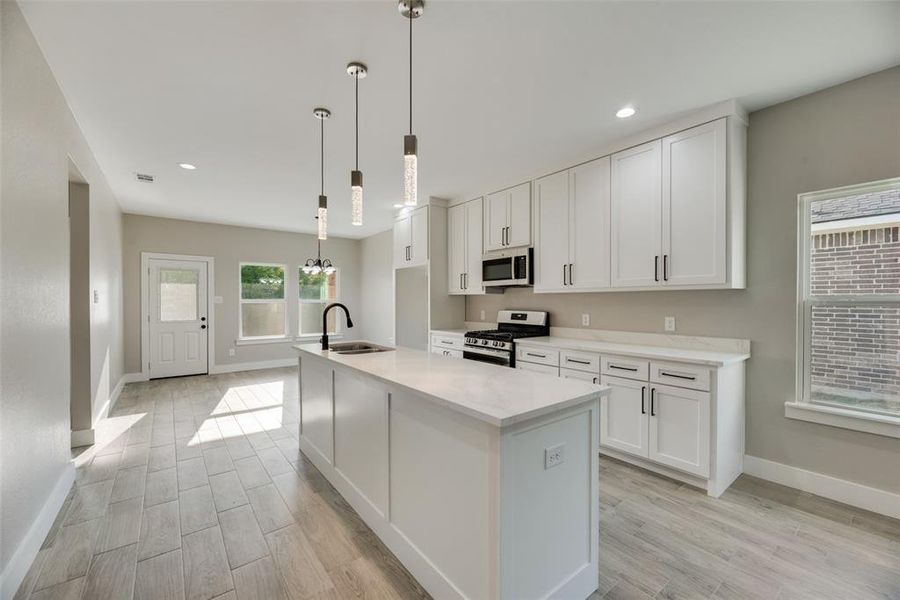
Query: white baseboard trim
{"x":24,"y":555}
{"x":82,"y":437}
{"x":134,"y":377}
{"x":253,"y":366}
{"x":840,"y":490}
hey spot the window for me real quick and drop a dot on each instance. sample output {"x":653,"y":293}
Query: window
{"x":263,"y":310}
{"x":315,"y":292}
{"x":849,"y":309}
{"x":178,"y":294}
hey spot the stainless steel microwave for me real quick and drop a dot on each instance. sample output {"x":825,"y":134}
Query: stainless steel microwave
{"x":508,"y":268}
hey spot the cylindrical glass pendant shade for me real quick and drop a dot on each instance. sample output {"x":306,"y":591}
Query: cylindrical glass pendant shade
{"x":356,"y":197}
{"x":322,"y":216}
{"x":410,"y":170}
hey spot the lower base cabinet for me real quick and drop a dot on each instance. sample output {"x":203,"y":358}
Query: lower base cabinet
{"x":446,"y":352}
{"x":549,"y":369}
{"x":679,"y":428}
{"x":624,"y":420}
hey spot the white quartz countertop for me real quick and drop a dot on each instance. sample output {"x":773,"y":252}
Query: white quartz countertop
{"x":706,"y":357}
{"x":450,"y":331}
{"x":493,"y":394}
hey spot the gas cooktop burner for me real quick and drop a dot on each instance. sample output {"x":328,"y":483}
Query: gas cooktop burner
{"x":498,"y":345}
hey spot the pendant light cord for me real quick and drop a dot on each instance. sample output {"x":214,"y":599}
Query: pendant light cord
{"x":322,"y":155}
{"x":357,"y":118}
{"x":410,"y":70}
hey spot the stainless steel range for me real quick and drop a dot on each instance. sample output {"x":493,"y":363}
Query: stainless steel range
{"x":498,"y":346}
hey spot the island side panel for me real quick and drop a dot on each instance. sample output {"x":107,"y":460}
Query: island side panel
{"x":316,"y":406}
{"x":361,"y":437}
{"x":444,"y":470}
{"x":550,"y":512}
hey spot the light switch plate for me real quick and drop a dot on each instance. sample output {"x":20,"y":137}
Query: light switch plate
{"x":585,"y":320}
{"x":482,"y":315}
{"x":670,"y":323}
{"x":96,"y":296}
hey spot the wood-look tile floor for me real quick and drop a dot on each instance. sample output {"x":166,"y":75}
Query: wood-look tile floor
{"x":196,"y":490}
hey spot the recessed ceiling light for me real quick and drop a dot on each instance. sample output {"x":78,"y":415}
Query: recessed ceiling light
{"x":187,"y":166}
{"x":398,"y":206}
{"x":625,"y":112}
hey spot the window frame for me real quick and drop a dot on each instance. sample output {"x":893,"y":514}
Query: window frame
{"x":802,"y":407}
{"x":242,"y":301}
{"x":338,"y":332}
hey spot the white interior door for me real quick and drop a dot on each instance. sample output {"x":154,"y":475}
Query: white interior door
{"x":178,"y":324}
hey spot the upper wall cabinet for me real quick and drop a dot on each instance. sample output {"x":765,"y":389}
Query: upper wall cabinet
{"x":507,"y":218}
{"x":464,"y":247}
{"x":677,"y":213}
{"x":411,"y":239}
{"x":572,"y":229}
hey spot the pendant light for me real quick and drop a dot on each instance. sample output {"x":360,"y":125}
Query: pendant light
{"x":357,"y":71}
{"x":410,"y":9}
{"x":318,"y":264}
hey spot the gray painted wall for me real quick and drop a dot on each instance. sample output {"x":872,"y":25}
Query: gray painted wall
{"x":229,"y":246}
{"x":39,"y":135}
{"x":839,"y":136}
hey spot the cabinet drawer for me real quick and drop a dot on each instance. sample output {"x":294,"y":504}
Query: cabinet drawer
{"x":548,"y":369}
{"x":580,"y":361}
{"x":581,"y":375}
{"x":621,"y":366}
{"x":542,"y":356}
{"x":681,"y":375}
{"x":446,"y":352}
{"x":445,"y":341}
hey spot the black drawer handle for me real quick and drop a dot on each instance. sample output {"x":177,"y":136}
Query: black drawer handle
{"x":632,"y":369}
{"x":652,"y":402}
{"x":677,"y":376}
{"x":536,"y":355}
{"x":578,"y":362}
{"x":643,"y":399}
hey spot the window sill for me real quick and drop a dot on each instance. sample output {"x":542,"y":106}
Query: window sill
{"x":315,"y":337}
{"x":265,"y":340}
{"x":846,"y":419}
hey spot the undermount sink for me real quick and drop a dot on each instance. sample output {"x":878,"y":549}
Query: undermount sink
{"x":358,"y":348}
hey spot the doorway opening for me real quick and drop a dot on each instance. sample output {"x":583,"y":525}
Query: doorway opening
{"x":80,"y":397}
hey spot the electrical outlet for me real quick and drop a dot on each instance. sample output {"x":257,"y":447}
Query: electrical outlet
{"x":482,"y":315}
{"x":670,"y":323}
{"x":96,"y":296}
{"x":231,"y":352}
{"x":554,"y":455}
{"x":585,"y":320}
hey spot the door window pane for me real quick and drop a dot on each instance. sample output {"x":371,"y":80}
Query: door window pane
{"x":262,"y":319}
{"x":178,"y":295}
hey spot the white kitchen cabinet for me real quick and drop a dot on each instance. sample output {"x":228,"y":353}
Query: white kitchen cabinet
{"x":464,"y":247}
{"x":636,"y":216}
{"x":679,"y":428}
{"x":580,"y":375}
{"x":572,"y":229}
{"x":507,"y":218}
{"x":669,"y":204}
{"x":624,"y":418}
{"x":548,"y":369}
{"x":694,"y":206}
{"x":446,"y":352}
{"x":411,"y":239}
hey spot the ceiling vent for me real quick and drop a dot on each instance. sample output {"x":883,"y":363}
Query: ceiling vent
{"x":144,"y":177}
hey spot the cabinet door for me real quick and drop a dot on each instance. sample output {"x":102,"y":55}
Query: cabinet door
{"x":636,"y":214}
{"x":589,"y":225}
{"x":549,"y":370}
{"x":418,"y":238}
{"x":551,"y":247}
{"x":474,"y":247}
{"x":693,"y":205}
{"x":624,"y":414}
{"x":496,"y":217}
{"x":401,"y":242}
{"x":580,"y":375}
{"x":679,"y":428}
{"x":456,"y":247}
{"x":519,"y":219}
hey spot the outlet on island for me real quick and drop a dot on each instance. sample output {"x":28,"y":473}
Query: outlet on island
{"x":670,"y":324}
{"x":231,"y":352}
{"x":554,"y":455}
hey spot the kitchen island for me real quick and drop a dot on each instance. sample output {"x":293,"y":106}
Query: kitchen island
{"x":481,"y":479}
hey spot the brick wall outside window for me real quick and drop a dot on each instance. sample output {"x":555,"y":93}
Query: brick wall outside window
{"x":855,"y":350}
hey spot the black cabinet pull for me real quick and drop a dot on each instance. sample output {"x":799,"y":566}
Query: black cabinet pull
{"x":643,"y":399}
{"x":656,"y":268}
{"x":594,"y":380}
{"x":652,"y":402}
{"x":632,"y":369}
{"x":571,"y":280}
{"x":536,"y":355}
{"x":564,"y":275}
{"x":665,"y":267}
{"x":687,"y":377}
{"x":578,"y":362}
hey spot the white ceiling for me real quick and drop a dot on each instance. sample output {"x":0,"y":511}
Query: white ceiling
{"x":505,"y":91}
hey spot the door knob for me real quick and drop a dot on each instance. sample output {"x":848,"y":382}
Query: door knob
{"x":203,"y":327}
{"x":202,"y":318}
